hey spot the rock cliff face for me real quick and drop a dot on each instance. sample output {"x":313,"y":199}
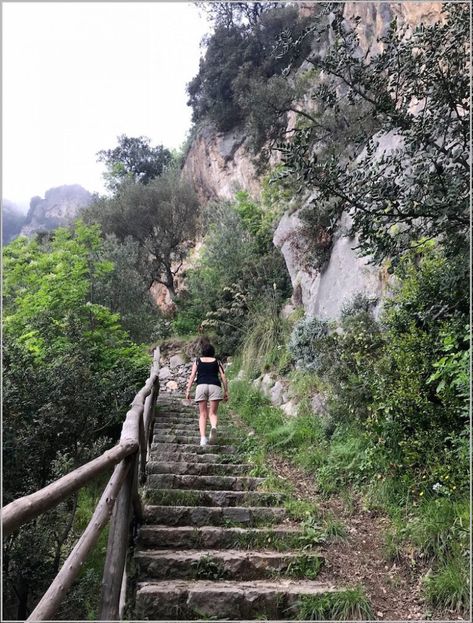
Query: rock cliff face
{"x":219,"y":165}
{"x":59,"y":207}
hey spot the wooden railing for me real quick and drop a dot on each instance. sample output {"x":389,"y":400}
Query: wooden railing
{"x":119,"y":499}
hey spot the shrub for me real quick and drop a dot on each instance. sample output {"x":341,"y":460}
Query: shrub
{"x":263,"y":345}
{"x":348,"y":605}
{"x":448,"y":587}
{"x":308,"y":342}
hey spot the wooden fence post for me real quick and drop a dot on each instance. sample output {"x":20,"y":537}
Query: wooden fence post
{"x":71,"y":567}
{"x":117,"y":549}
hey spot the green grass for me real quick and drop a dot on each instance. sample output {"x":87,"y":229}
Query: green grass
{"x":334,"y":529}
{"x":304,"y":567}
{"x":349,"y":605}
{"x":276,"y":483}
{"x":440,"y":526}
{"x":207,"y":568}
{"x":448,"y":587}
{"x":264,"y":345}
{"x":300,"y":510}
{"x":254,"y":409}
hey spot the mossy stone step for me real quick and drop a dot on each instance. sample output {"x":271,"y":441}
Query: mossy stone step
{"x":193,"y":600}
{"x":198,"y":469}
{"x":179,"y":428}
{"x":176,"y":420}
{"x":192,"y":457}
{"x":186,"y":438}
{"x":206,"y":483}
{"x":214,"y":516}
{"x":216,"y":537}
{"x":192,"y":447}
{"x":224,"y":564}
{"x":196,"y":497}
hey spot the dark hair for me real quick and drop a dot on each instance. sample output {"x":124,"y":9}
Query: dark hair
{"x":207,"y":350}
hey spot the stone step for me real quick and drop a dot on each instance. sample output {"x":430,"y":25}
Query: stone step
{"x":175,"y":420}
{"x":216,"y":537}
{"x":192,"y":457}
{"x":198,"y":469}
{"x":197,"y":497}
{"x":205,"y":483}
{"x":238,"y":601}
{"x":230,"y":564}
{"x":213,"y":515}
{"x":191,"y":447}
{"x":161,"y":437}
{"x":178,"y":428}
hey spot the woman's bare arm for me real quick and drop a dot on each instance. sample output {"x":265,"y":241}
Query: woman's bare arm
{"x":224,"y":382}
{"x":191,"y":380}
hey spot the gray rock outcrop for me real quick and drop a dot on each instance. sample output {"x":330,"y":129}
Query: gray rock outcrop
{"x":59,"y":207}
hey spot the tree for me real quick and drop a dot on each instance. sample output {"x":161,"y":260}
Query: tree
{"x":229,"y":14}
{"x":69,"y":373}
{"x":245,"y":45}
{"x":124,"y":290}
{"x":160,"y":216}
{"x":415,"y":94}
{"x":133,"y":159}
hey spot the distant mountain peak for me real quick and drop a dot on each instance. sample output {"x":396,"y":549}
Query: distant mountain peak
{"x":60,"y":207}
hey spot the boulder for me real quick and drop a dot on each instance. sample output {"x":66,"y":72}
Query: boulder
{"x":290,"y":408}
{"x":266,"y":383}
{"x":176,"y":360}
{"x":164,"y":373}
{"x":276,"y":394}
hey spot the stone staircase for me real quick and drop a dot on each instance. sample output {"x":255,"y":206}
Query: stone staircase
{"x":214,"y":545}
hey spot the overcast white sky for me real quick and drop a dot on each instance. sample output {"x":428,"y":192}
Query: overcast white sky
{"x":76,"y":75}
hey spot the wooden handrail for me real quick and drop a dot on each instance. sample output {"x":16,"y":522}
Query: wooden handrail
{"x":68,"y":573}
{"x":25,"y":509}
{"x":125,"y":455}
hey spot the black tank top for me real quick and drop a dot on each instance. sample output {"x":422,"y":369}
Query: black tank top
{"x":207,"y":372}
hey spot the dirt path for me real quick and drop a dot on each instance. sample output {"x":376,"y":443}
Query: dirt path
{"x":393,"y":588}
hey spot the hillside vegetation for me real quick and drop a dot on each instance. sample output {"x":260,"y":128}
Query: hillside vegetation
{"x":390,"y":426}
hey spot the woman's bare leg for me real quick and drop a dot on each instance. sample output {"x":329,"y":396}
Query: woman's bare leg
{"x":213,"y":413}
{"x":203,"y":413}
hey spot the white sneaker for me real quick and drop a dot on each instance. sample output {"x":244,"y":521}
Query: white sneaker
{"x":203,"y":441}
{"x":213,"y":435}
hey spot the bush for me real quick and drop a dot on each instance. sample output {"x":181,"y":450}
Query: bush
{"x":264,"y":341}
{"x":238,"y":50}
{"x":308,"y":342}
{"x":237,"y":273}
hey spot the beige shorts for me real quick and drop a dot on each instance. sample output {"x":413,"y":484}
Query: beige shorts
{"x":208,"y":392}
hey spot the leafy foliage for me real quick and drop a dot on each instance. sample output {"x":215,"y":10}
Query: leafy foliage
{"x":410,"y":179}
{"x":160,"y":216}
{"x":124,"y":290}
{"x":70,"y":371}
{"x":305,"y":344}
{"x":133,"y":160}
{"x":244,"y":45}
{"x":237,"y":269}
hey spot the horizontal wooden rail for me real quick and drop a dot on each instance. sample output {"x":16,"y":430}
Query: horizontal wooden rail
{"x":28,"y":507}
{"x":70,"y":569}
